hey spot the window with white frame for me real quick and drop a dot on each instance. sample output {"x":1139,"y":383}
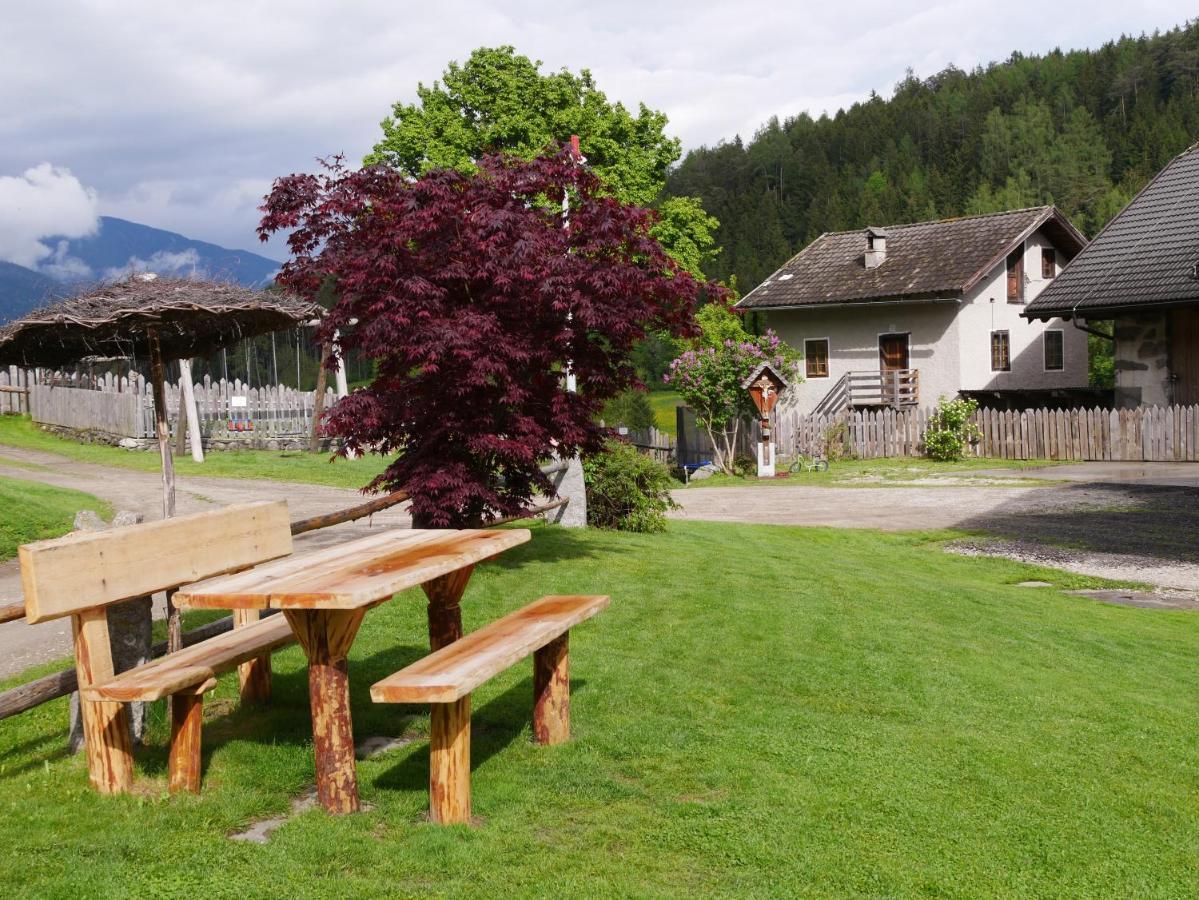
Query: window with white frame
{"x":1001,"y":351}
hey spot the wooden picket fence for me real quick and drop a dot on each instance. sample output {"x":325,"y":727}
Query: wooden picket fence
{"x":14,"y":390}
{"x":124,"y":406}
{"x":1144,"y":434}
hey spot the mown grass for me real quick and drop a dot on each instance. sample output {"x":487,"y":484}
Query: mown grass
{"x":663,"y":404}
{"x":876,"y":472}
{"x":293,"y":466}
{"x":30,"y":511}
{"x":762,"y":711}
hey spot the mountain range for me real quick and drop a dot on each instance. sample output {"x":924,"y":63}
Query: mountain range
{"x":117,"y":248}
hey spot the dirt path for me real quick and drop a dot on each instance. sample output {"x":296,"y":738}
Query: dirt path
{"x":23,"y":645}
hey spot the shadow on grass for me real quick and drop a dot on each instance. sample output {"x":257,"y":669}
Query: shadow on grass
{"x":1142,"y":520}
{"x":493,"y":727}
{"x":556,"y":544}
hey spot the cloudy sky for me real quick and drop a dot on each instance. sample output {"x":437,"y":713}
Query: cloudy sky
{"x":179,"y":116}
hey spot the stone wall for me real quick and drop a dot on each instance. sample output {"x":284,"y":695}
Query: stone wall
{"x":1142,"y":361}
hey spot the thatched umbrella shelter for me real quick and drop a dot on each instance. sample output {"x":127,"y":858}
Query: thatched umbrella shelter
{"x":159,"y":319}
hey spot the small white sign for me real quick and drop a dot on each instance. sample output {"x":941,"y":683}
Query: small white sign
{"x":622,"y":430}
{"x":238,"y":402}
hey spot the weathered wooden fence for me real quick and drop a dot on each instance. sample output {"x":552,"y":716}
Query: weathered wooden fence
{"x":1144,"y":434}
{"x":14,"y":390}
{"x":119,"y":415}
{"x":227,"y":410}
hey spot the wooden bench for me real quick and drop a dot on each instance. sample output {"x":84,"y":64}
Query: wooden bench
{"x":81,"y":574}
{"x":446,"y":678}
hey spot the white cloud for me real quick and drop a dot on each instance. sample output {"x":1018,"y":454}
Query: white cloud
{"x":43,"y":202}
{"x":180,"y":119}
{"x":164,"y":262}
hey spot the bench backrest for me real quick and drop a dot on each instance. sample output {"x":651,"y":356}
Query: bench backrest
{"x":86,"y":570}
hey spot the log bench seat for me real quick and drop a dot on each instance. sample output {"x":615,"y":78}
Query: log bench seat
{"x":82,"y":574}
{"x":186,"y":676}
{"x":447,"y":677}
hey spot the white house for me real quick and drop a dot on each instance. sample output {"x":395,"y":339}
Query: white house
{"x":902,"y":315}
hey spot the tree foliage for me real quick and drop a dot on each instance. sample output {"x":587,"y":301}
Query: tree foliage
{"x":471,"y":298}
{"x":709,"y":376}
{"x":1084,"y":129}
{"x":500,"y":101}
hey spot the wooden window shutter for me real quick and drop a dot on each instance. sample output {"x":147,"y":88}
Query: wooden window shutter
{"x":1048,"y":262}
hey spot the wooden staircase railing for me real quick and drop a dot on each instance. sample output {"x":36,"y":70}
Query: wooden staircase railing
{"x":897,"y":388}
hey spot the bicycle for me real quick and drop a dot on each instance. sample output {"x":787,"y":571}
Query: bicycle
{"x":803,"y":463}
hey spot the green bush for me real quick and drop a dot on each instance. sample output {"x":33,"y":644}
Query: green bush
{"x":950,"y":430}
{"x":627,"y":490}
{"x":631,"y":409}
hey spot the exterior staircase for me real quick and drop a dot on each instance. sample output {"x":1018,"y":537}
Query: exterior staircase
{"x":896,"y":388}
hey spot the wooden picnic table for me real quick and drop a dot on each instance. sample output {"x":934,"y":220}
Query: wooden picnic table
{"x":324,"y":596}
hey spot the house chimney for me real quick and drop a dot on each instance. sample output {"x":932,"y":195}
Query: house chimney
{"x":876,"y":247}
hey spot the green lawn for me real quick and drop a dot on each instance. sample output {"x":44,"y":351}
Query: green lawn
{"x":30,"y":512}
{"x":763,"y":711}
{"x":297,"y":466}
{"x":663,"y":404}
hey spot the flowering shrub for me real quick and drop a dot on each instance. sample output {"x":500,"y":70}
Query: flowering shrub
{"x":709,"y":380}
{"x":950,"y":430}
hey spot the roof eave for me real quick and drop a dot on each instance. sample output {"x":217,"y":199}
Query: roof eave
{"x":1105,"y":311}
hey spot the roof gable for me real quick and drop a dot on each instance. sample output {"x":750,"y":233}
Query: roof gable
{"x":944,"y":258}
{"x":1143,"y":258}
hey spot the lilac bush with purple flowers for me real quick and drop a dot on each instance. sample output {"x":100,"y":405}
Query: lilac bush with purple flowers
{"x":709,"y":376}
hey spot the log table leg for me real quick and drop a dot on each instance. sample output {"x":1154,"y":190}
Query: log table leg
{"x":326,"y":636}
{"x":445,"y":615}
{"x":551,"y":692}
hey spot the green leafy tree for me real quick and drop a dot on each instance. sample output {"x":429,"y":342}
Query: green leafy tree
{"x":501,"y":101}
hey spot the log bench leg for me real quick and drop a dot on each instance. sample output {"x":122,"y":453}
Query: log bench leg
{"x":254,"y":677}
{"x":449,"y":762}
{"x":187,"y":722}
{"x":105,"y":722}
{"x":551,"y":691}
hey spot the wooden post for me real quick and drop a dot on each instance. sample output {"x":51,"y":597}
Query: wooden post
{"x":105,"y":722}
{"x":551,"y":691}
{"x":163,"y":433}
{"x":318,"y":401}
{"x":254,"y":676}
{"x":187,"y":717}
{"x":187,"y":400}
{"x":326,"y":636}
{"x":445,"y":615}
{"x":449,"y":762}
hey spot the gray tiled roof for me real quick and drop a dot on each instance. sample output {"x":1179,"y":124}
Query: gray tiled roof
{"x":1144,"y":257}
{"x":926,"y":259}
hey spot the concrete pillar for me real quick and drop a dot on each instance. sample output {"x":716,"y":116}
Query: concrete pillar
{"x":569,"y":484}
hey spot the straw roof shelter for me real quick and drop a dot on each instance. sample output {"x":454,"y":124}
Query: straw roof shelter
{"x":188,"y":318}
{"x":159,"y":319}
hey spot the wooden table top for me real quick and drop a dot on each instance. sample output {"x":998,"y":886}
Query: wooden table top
{"x":352,"y":575}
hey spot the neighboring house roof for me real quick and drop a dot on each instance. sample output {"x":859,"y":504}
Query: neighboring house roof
{"x":924,"y":260}
{"x":1144,"y":258}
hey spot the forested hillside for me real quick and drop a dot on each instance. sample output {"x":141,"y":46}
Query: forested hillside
{"x":1084,"y":129}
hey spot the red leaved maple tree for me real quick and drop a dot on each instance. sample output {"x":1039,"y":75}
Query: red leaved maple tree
{"x":472,"y":299}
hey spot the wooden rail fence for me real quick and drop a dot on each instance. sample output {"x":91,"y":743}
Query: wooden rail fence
{"x":1144,"y":434}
